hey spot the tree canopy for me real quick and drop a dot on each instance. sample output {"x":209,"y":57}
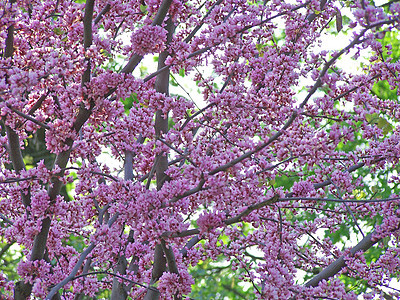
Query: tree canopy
{"x":249,"y":160}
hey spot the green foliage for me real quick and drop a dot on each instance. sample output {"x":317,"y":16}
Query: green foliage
{"x":382,"y":89}
{"x":10,"y":255}
{"x":171,"y":123}
{"x":173,"y":82}
{"x":143,"y":8}
{"x":58,"y":31}
{"x":70,"y":186}
{"x":128,"y":102}
{"x":216,"y":280}
{"x":182,"y":72}
{"x":35,"y":150}
{"x":77,"y":242}
{"x":358,"y":286}
{"x":113,"y":63}
{"x":381,"y":122}
{"x":338,"y":235}
{"x":143,"y":71}
{"x":392,"y":39}
{"x":285,"y":181}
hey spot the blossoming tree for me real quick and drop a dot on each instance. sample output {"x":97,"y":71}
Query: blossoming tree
{"x":273,"y":175}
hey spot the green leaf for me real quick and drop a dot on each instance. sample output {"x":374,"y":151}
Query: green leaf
{"x":143,"y":71}
{"x":260,"y":49}
{"x":371,"y":118}
{"x":386,"y":127}
{"x":374,"y":189}
{"x":28,"y":159}
{"x":173,"y":82}
{"x":359,"y":194}
{"x":58,"y":31}
{"x":128,"y":102}
{"x":182,"y":72}
{"x":171,"y":123}
{"x":338,"y":235}
{"x":383,"y":91}
{"x":288,"y":213}
{"x":143,"y":8}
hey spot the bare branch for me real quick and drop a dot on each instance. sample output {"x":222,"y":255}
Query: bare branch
{"x":75,"y":270}
{"x":38,"y":103}
{"x":9,"y":51}
{"x":169,"y":254}
{"x":118,"y":291}
{"x":108,"y":273}
{"x":27,"y":117}
{"x":87,"y":37}
{"x":190,"y":244}
{"x":339,"y":200}
{"x":102,"y":13}
{"x":5,"y":219}
{"x":335,"y":267}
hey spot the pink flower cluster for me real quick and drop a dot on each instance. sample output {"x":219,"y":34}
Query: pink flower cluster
{"x":173,"y":285}
{"x":302,"y":188}
{"x":148,"y":39}
{"x":210,"y":220}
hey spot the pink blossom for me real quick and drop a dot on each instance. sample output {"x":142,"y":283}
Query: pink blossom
{"x":141,"y":37}
{"x":302,"y":188}
{"x":209,"y":221}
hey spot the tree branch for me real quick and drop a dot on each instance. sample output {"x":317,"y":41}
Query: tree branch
{"x":75,"y":270}
{"x":118,"y":291}
{"x":78,"y":264}
{"x":205,"y":49}
{"x":294,"y":115}
{"x":158,"y":20}
{"x":169,"y":254}
{"x":12,"y":137}
{"x":22,"y":290}
{"x":87,"y":37}
{"x":27,"y":117}
{"x":197,"y":28}
{"x":62,"y":159}
{"x":161,"y":127}
{"x":335,"y":267}
{"x":38,"y":103}
{"x":339,"y":200}
{"x":102,"y":13}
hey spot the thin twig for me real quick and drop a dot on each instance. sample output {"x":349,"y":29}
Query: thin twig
{"x":338,"y":200}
